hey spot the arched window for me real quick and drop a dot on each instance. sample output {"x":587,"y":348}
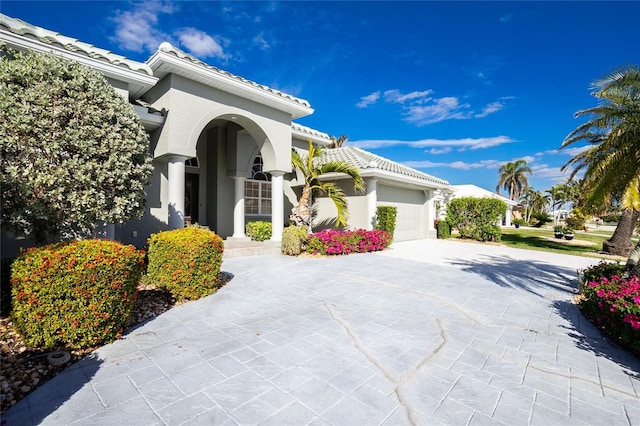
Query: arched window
{"x":257,"y":191}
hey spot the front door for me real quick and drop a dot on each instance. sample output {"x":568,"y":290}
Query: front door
{"x":191,"y":198}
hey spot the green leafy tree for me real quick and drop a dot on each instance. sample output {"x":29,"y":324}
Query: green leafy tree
{"x":610,"y":161}
{"x":311,"y":167}
{"x":513,"y":178}
{"x":477,"y":218}
{"x":74,"y":153}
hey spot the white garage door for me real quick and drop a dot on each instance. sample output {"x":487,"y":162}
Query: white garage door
{"x":411,"y":219}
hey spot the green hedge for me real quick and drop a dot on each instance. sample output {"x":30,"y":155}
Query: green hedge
{"x":79,"y":294}
{"x":477,"y":218}
{"x":294,"y":240}
{"x":443,"y":229}
{"x":186,"y":262}
{"x":258,"y":230}
{"x":386,"y":218}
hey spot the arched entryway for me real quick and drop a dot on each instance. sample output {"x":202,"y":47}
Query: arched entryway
{"x":228,"y":181}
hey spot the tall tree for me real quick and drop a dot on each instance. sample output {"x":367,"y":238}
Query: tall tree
{"x":610,"y":162}
{"x":74,"y":153}
{"x":513,"y":178}
{"x":339,"y":141}
{"x":312,"y":168}
{"x":557,"y":198}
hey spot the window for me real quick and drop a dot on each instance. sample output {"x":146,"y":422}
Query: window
{"x":257,"y":191}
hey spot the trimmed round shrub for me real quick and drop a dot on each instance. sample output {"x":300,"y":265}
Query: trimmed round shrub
{"x":259,"y":230}
{"x":186,"y":262}
{"x":78,"y":294}
{"x":294,"y":239}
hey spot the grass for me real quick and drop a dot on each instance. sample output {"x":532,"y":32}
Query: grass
{"x":584,"y":243}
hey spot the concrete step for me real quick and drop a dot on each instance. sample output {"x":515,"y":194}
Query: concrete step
{"x":241,"y":247}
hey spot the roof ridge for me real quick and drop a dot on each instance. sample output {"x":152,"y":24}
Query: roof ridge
{"x":167,"y":47}
{"x":22,"y":28}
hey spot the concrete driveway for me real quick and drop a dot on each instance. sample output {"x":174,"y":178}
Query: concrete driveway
{"x":429,"y":332}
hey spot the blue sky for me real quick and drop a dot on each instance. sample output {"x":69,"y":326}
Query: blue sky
{"x":454,"y":89}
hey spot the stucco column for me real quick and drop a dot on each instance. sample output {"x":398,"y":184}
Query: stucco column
{"x":110,"y":231}
{"x":175,"y":175}
{"x":238,"y":207}
{"x":277,"y":205}
{"x":507,"y":216}
{"x":431,"y":210}
{"x":372,"y":200}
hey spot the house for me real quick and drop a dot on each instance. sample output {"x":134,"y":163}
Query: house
{"x":221,"y":146}
{"x":475,"y":191}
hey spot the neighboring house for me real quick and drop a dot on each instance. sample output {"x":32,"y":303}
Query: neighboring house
{"x":221,"y":146}
{"x":476,"y":191}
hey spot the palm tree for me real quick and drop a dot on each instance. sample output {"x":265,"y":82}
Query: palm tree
{"x":312,"y":168}
{"x":558,"y":199}
{"x":611,"y":162}
{"x":339,"y":141}
{"x":513,"y":178}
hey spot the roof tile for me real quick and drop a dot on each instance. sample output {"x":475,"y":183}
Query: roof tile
{"x":367,"y":160}
{"x":21,"y":28}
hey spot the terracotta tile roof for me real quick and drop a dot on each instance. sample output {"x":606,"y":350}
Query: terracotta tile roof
{"x":365,"y":160}
{"x":168,"y":48}
{"x":24,"y":29}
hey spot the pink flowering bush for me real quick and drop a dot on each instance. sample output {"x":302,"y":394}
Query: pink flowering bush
{"x":613,"y":304}
{"x":332,"y":242}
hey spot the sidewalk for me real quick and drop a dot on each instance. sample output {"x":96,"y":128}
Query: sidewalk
{"x":426,"y":333}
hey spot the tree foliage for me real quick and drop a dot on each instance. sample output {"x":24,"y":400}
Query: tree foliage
{"x":74,"y":153}
{"x":610,"y":159}
{"x":477,"y":218}
{"x":312,"y":168}
{"x":513,"y":178}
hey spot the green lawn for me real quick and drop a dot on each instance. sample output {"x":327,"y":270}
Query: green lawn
{"x":583,"y":244}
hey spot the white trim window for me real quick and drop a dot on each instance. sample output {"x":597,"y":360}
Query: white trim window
{"x":257,"y":191}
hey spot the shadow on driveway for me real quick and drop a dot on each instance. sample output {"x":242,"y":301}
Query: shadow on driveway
{"x":532,"y":276}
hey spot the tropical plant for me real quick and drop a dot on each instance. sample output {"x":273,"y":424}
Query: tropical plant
{"x":610,"y":161}
{"x":259,"y":230}
{"x":74,"y":153}
{"x":513,"y":178}
{"x":312,"y":167}
{"x":339,"y":141}
{"x":557,"y":200}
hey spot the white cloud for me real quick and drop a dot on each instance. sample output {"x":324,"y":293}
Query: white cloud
{"x":136,"y":29}
{"x":490,"y":109}
{"x":544,"y":171}
{"x":420,"y":108}
{"x":436,"y":151}
{"x":199,"y":43}
{"x":395,"y":96}
{"x":470,"y":143}
{"x":365,"y":101}
{"x":441,"y":109}
{"x":506,"y":18}
{"x":261,"y":42}
{"x":459,"y":165}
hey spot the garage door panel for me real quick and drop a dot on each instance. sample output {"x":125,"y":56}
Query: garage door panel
{"x":411,"y":219}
